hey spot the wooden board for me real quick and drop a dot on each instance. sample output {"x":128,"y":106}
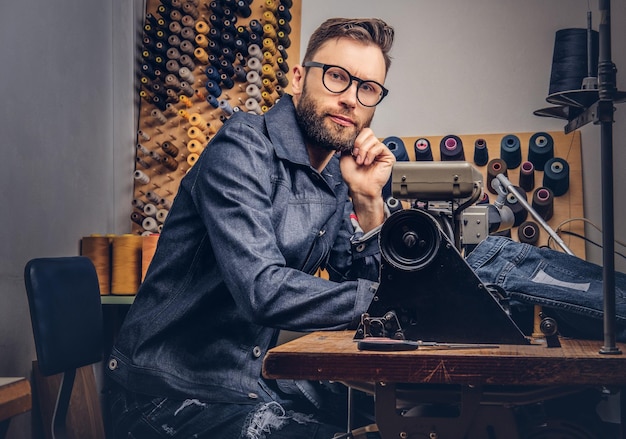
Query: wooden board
{"x":160,"y":173}
{"x":567,"y":206}
{"x":334,"y":356}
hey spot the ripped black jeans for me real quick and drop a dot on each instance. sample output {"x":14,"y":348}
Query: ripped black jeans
{"x":137,"y":416}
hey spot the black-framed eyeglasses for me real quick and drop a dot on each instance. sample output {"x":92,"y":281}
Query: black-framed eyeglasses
{"x":336,"y":79}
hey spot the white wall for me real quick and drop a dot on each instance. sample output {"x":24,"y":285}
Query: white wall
{"x":67,"y":117}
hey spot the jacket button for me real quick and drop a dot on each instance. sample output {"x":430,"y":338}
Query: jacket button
{"x":112,"y":364}
{"x":252,"y":395}
{"x":359,"y":248}
{"x":256,"y":351}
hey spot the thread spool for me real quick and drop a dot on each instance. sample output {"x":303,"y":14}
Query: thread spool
{"x":98,"y":249}
{"x":451,"y":148}
{"x":540,"y":149}
{"x":481,"y":153}
{"x":149,"y":224}
{"x":149,"y":209}
{"x":125,"y":264}
{"x":192,"y":159}
{"x":528,"y":233}
{"x":226,"y":107}
{"x":570,"y":60}
{"x":556,"y":176}
{"x":423,"y":152}
{"x":137,"y":203}
{"x":137,"y":217}
{"x":169,"y":163}
{"x":543,"y":202}
{"x":254,"y":92}
{"x":253,"y":106}
{"x":254,"y":64}
{"x":195,"y":133}
{"x":396,"y":146}
{"x":141,"y":177}
{"x":495,"y":167}
{"x":161,"y":215}
{"x":194,"y":146}
{"x":169,"y":148}
{"x":148,"y":248}
{"x":196,"y":120}
{"x":254,"y":78}
{"x":527,"y":176}
{"x":519,"y":211}
{"x":511,"y":151}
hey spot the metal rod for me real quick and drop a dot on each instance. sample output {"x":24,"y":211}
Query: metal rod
{"x":606,"y":92}
{"x":522,"y":200}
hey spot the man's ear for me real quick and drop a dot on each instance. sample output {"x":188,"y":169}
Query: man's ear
{"x":297,"y":81}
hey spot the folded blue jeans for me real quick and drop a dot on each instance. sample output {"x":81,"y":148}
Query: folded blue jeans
{"x":568,"y":288}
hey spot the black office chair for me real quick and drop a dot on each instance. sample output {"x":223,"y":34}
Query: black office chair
{"x":66,"y":315}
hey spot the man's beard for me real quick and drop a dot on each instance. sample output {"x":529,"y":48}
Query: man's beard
{"x":320,"y":132}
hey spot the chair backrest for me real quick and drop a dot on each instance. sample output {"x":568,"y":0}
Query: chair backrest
{"x":66,"y":316}
{"x":66,"y":312}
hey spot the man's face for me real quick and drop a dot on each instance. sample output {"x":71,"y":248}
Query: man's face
{"x":332,"y":121}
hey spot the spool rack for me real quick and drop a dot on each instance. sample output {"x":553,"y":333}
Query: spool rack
{"x":194,"y":72}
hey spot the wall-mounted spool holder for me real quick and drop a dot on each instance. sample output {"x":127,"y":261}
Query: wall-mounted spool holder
{"x":203,"y":80}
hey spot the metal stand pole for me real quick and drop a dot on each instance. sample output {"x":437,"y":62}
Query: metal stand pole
{"x":606,"y":92}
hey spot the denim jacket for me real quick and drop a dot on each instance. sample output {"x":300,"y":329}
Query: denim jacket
{"x":250,"y":224}
{"x":568,"y":288}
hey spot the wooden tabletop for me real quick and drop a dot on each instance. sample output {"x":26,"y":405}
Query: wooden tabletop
{"x":15,"y":397}
{"x":334,"y":356}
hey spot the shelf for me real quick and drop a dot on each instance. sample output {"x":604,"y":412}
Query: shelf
{"x":117,"y":299}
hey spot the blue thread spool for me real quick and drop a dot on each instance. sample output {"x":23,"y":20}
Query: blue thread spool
{"x":540,"y":149}
{"x":423,"y":152}
{"x":481,"y":153}
{"x":396,"y":146}
{"x":510,"y":151}
{"x":556,"y":176}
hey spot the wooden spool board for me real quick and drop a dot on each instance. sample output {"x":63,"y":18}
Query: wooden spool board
{"x":566,"y":206}
{"x":159,"y":183}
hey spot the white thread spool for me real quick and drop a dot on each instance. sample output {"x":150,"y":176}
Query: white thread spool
{"x":254,"y":78}
{"x":253,"y":92}
{"x":166,"y":203}
{"x":186,"y":74}
{"x":253,"y":106}
{"x":161,"y":215}
{"x":153,"y":197}
{"x":138,"y":204}
{"x":160,"y":117}
{"x":150,"y":209}
{"x":141,"y":177}
{"x":150,"y":224}
{"x":254,"y":64}
{"x":143,"y":149}
{"x":255,"y":52}
{"x":143,"y":135}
